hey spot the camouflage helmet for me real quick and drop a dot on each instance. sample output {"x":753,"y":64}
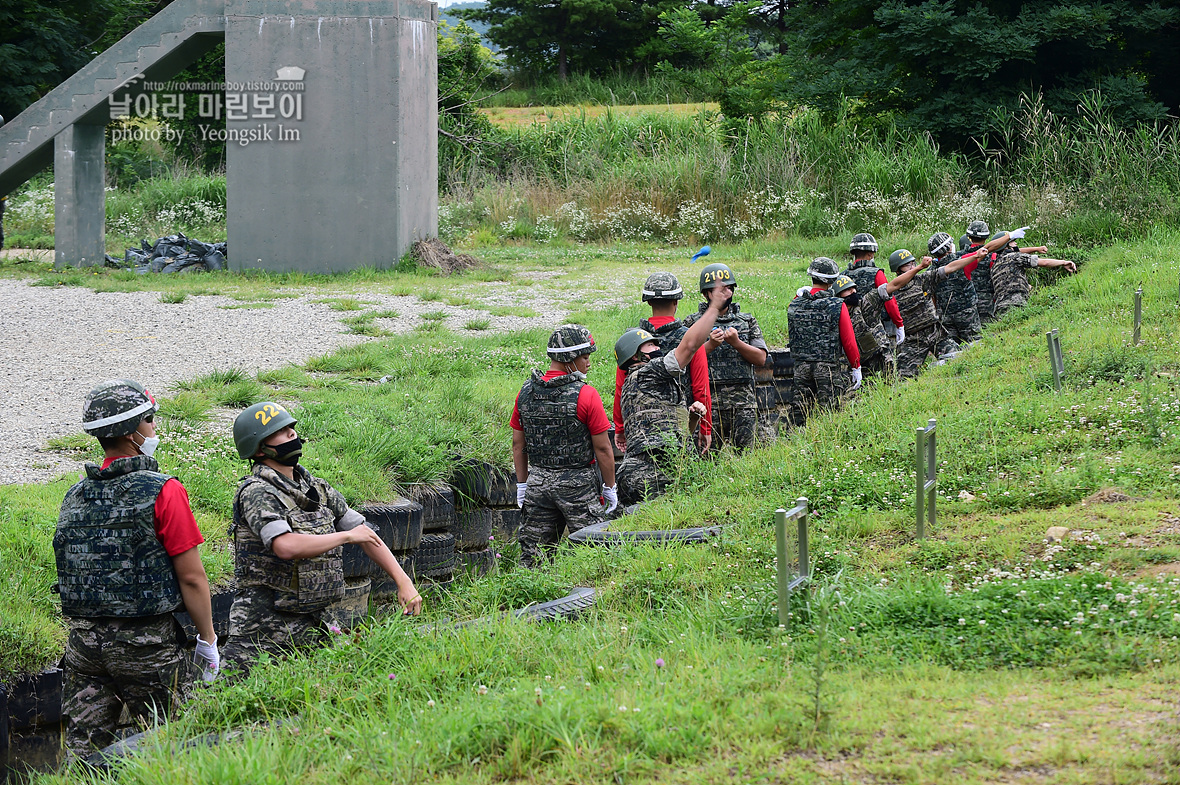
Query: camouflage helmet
{"x":715,"y":275}
{"x":569,"y":342}
{"x":977,"y":230}
{"x":843,"y":283}
{"x":116,"y":408}
{"x":629,"y":343}
{"x":256,"y":424}
{"x":940,"y":244}
{"x":662,"y":286}
{"x":900,"y":258}
{"x":823,"y":269}
{"x":863,"y":242}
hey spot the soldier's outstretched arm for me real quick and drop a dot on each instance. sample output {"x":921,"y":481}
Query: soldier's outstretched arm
{"x":699,"y":332}
{"x":901,"y":280}
{"x":963,"y":261}
{"x":1067,"y":264}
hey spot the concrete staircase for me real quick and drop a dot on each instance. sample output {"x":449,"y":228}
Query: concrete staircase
{"x":158,"y":49}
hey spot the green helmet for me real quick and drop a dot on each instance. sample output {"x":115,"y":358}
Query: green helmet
{"x":257,"y":423}
{"x":662,"y":286}
{"x":629,"y":343}
{"x":977,"y":230}
{"x":823,"y":269}
{"x":900,"y":258}
{"x":863,"y":242}
{"x":715,"y":275}
{"x":843,"y":283}
{"x":116,"y":408}
{"x":569,"y":342}
{"x":940,"y":244}
{"x":998,"y":235}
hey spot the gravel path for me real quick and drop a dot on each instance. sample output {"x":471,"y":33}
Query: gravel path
{"x":57,"y":342}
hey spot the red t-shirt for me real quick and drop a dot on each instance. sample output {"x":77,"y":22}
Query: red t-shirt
{"x":698,"y":374}
{"x":590,"y":409}
{"x":970,"y":268}
{"x":890,"y":304}
{"x":176,"y":528}
{"x":847,"y":334}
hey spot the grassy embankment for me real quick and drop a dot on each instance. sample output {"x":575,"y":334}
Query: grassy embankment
{"x":978,"y":654}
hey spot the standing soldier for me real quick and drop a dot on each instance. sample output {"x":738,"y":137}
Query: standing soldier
{"x":654,"y":403}
{"x":558,"y":431}
{"x":980,"y":272}
{"x":927,"y":335}
{"x":662,"y":292}
{"x":954,"y":294}
{"x":1010,"y":273}
{"x":735,"y":348}
{"x":821,"y":337}
{"x":289,"y":526}
{"x":868,"y":276}
{"x":126,"y":550}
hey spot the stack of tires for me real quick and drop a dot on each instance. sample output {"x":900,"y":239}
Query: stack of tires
{"x":767,"y":398}
{"x":478,"y":487}
{"x":433,"y":564}
{"x":399,"y":525}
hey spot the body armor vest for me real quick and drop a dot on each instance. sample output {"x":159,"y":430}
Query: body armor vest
{"x":726,"y":366}
{"x":865,"y":275}
{"x":669,"y":337}
{"x":982,"y":279}
{"x":553,"y":435}
{"x":813,"y":327}
{"x":955,"y":292}
{"x":109,"y":561}
{"x":867,"y":339}
{"x":916,"y":304}
{"x":654,"y":408}
{"x":300,"y":585}
{"x":1010,"y":278}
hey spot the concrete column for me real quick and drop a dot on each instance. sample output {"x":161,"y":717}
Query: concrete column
{"x":352,"y":180}
{"x":79,"y":204}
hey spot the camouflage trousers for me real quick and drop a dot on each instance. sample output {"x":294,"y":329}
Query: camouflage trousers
{"x":555,"y":499}
{"x":641,"y":478}
{"x":962,"y":325}
{"x":931,"y":341}
{"x":880,"y":363}
{"x":1003,"y":306}
{"x":256,"y":627}
{"x":818,"y":385}
{"x":735,"y":416}
{"x":111,"y":663}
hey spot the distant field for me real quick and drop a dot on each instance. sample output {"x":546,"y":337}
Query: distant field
{"x":516,"y":116}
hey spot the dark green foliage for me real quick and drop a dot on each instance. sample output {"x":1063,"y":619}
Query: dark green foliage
{"x":945,"y":66}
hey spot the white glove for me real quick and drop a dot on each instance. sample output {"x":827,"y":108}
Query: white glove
{"x":611,"y":494}
{"x":900,"y":336}
{"x":521,"y":489}
{"x":856,"y":378}
{"x":1019,"y":233}
{"x":802,"y":290}
{"x":208,"y":659}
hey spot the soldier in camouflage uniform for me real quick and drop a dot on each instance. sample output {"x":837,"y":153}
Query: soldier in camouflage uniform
{"x":288,"y":530}
{"x":926,"y":336}
{"x":1010,"y":274}
{"x":955,"y":294}
{"x":822,"y":340}
{"x":735,"y":349}
{"x":564,"y":461}
{"x":658,"y":413}
{"x":126,"y":550}
{"x":662,"y":292}
{"x":868,"y":277}
{"x":981,"y":271}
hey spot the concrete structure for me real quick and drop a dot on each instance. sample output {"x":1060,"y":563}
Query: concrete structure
{"x":331,"y":120}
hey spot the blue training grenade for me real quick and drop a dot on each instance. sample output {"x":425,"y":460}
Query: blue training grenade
{"x":705,"y":251}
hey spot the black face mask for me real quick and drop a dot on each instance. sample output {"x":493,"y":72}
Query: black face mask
{"x":286,"y":453}
{"x":654,"y":355}
{"x":852,"y":300}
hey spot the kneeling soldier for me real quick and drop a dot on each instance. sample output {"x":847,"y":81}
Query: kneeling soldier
{"x":655,"y":405}
{"x":559,"y":429}
{"x":288,"y":528}
{"x":126,"y":549}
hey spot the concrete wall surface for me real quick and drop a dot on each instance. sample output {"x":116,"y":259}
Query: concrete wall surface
{"x":332,"y":151}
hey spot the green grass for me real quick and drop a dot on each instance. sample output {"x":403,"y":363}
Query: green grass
{"x":173,"y":298}
{"x":477,"y":324}
{"x":875,"y":678}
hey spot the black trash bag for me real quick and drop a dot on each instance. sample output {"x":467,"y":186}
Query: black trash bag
{"x":158,"y":263}
{"x":199,"y":248}
{"x":143,"y":269}
{"x":181,"y":262}
{"x":134,"y":256}
{"x":111,"y":261}
{"x":214,"y":261}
